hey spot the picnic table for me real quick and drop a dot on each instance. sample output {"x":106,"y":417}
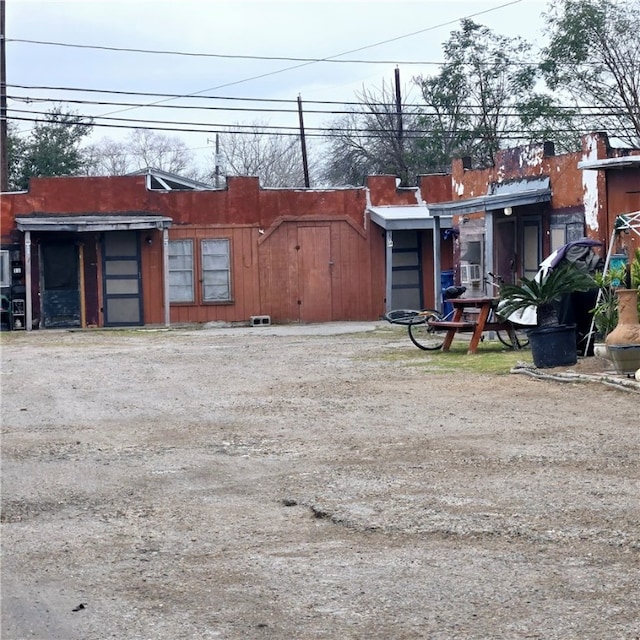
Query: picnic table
{"x":471,"y":315}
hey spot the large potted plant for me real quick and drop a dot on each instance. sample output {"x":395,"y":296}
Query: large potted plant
{"x":623,"y":343}
{"x":605,"y":312}
{"x":552,"y":344}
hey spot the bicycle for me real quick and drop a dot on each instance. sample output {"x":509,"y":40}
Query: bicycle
{"x":518,"y":333}
{"x":428,"y":337}
{"x":417,"y":322}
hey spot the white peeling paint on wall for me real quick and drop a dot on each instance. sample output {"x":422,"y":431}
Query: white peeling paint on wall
{"x":419,"y":199}
{"x":531,"y":156}
{"x":367,"y":193}
{"x":590,"y":184}
{"x":458,"y":187}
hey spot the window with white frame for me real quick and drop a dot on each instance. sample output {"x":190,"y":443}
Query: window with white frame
{"x":5,"y":268}
{"x":181,"y":271}
{"x":216,"y":270}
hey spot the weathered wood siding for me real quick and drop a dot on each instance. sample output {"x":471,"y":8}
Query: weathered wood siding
{"x":319,"y":270}
{"x":244,"y":276}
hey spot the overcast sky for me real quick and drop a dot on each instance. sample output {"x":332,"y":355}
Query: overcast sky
{"x":395,"y":32}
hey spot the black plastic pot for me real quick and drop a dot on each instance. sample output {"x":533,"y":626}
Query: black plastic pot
{"x":553,"y":346}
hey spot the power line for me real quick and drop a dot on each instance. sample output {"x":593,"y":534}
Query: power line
{"x":169,"y":95}
{"x":320,"y":132}
{"x":329,"y":59}
{"x":338,"y":55}
{"x":423,"y":109}
{"x":217,"y":55}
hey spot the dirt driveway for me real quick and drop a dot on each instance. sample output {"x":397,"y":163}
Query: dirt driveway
{"x":305,"y":483}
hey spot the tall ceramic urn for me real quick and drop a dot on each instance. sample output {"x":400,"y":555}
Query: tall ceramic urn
{"x":624,"y":341}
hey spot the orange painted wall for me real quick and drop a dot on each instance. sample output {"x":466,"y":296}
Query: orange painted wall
{"x":623,"y":196}
{"x":269,"y":275}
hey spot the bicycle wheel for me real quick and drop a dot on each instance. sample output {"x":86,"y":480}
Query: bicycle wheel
{"x":517,"y":340}
{"x":404,"y":316}
{"x":423,"y":335}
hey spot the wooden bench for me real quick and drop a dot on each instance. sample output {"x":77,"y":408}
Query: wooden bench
{"x":497,"y":326}
{"x":450,"y":324}
{"x":461,"y":326}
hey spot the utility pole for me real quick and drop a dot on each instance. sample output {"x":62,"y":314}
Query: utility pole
{"x":303,"y":142}
{"x":400,"y":130}
{"x":399,"y":108}
{"x":217,"y":158}
{"x":4,"y":153}
{"x":217,"y":183}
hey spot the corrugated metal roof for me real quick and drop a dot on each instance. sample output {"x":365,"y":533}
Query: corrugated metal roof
{"x":611,"y":163}
{"x":516,"y":193}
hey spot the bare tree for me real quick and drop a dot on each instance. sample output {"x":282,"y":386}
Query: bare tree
{"x":142,"y":149}
{"x":107,"y":158}
{"x":275,"y":159}
{"x":373,"y":138}
{"x":167,"y":153}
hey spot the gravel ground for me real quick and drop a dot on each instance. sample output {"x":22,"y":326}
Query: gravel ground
{"x":309,"y":482}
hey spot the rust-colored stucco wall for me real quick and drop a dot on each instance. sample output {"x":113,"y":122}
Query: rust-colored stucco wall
{"x":269,"y":275}
{"x":623,"y":196}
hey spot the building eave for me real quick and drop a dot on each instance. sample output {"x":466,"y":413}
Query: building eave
{"x":91,"y":222}
{"x":396,"y":218}
{"x":624,"y":162}
{"x":501,"y":195}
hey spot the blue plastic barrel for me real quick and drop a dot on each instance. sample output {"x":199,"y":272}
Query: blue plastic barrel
{"x":446,"y":280}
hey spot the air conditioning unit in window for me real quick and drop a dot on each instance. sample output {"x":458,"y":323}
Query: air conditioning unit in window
{"x":470,"y":274}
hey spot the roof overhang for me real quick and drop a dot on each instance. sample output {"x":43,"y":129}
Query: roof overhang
{"x":514,"y":194}
{"x":624,"y":162}
{"x":165,"y":181}
{"x":394,"y":218}
{"x":92,"y":222}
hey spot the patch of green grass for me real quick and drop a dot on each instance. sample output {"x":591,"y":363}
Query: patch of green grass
{"x":492,"y":357}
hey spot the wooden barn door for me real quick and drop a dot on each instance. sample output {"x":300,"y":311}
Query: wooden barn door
{"x":314,"y":274}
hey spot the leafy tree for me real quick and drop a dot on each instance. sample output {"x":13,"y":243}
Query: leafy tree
{"x":447,"y":120}
{"x":484,"y":98}
{"x":594,"y":56}
{"x":51,"y":149}
{"x":15,"y":150}
{"x":275,"y":159}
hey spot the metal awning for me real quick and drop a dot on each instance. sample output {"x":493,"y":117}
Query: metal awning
{"x":410,"y":218}
{"x":624,"y":162}
{"x":395,"y":218}
{"x":507,"y":194}
{"x":91,"y":222}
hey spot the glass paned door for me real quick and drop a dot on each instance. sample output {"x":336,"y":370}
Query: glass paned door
{"x":122,"y":285}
